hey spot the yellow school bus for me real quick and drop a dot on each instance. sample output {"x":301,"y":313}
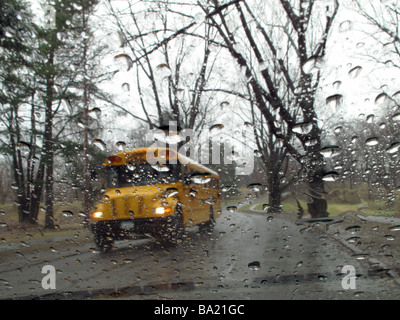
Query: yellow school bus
{"x":160,"y":197}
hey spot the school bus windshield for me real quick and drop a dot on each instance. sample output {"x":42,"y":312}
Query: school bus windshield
{"x":142,"y":174}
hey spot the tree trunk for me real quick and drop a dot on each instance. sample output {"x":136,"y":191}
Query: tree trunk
{"x":49,"y":193}
{"x":275,"y":193}
{"x":315,"y":171}
{"x":48,"y":150}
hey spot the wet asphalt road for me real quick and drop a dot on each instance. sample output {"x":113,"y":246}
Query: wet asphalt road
{"x":249,"y":256}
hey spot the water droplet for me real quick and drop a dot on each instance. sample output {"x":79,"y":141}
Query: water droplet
{"x":355,"y":72}
{"x":330,"y":151}
{"x":330,"y":176}
{"x":390,"y":237}
{"x":345,"y":26}
{"x":257,"y":153}
{"x":370,"y":118}
{"x":95,"y":113}
{"x":302,"y":128}
{"x":353,"y":239}
{"x":255,"y":187}
{"x":224,"y":104}
{"x":395,"y":228}
{"x":255,"y":265}
{"x":216,"y":128}
{"x":381,"y":98}
{"x":211,"y":200}
{"x":334,"y":101}
{"x":338,"y":129}
{"x":126,"y":87}
{"x":313,"y":64}
{"x":99,"y":144}
{"x":311,"y":142}
{"x":373,"y":141}
{"x":124,"y":61}
{"x":353,"y":229}
{"x":25,"y":244}
{"x":67,"y":213}
{"x":22,"y":145}
{"x":231,"y":208}
{"x":265,"y":206}
{"x":200,"y":178}
{"x":360,"y":256}
{"x":170,"y":192}
{"x":160,"y":167}
{"x":336,"y":85}
{"x":120,"y":145}
{"x":396,"y":117}
{"x":126,"y":261}
{"x":394,"y":147}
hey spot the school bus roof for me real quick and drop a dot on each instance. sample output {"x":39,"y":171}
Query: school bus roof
{"x":140,"y":156}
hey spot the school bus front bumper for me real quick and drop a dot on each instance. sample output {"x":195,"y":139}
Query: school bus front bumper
{"x":123,"y":229}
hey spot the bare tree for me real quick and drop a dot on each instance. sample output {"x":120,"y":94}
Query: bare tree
{"x":307,"y":35}
{"x":384,"y":18}
{"x":172,"y":60}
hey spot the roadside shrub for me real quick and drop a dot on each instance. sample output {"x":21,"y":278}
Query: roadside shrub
{"x":343,"y":196}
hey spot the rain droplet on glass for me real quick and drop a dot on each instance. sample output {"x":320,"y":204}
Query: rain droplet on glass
{"x":312,"y":64}
{"x":330,"y":176}
{"x":216,"y":128}
{"x":334,"y":101}
{"x":255,"y":187}
{"x":330,"y":151}
{"x":345,"y":26}
{"x":99,"y":144}
{"x":302,"y":128}
{"x":126,"y":87}
{"x":124,"y":61}
{"x":170,"y":192}
{"x":255,"y":265}
{"x":95,"y":113}
{"x":355,"y":72}
{"x":120,"y":145}
{"x":373,"y":141}
{"x":394,"y":147}
{"x":231,"y":208}
{"x":381,"y":98}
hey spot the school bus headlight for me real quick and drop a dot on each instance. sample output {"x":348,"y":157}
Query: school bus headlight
{"x":162,"y":210}
{"x":97,"y":215}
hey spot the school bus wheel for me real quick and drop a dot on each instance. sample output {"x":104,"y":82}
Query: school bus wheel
{"x":176,"y":228}
{"x":102,"y":237}
{"x":208,"y":227}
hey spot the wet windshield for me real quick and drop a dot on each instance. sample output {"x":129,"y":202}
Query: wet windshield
{"x":288,"y":110}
